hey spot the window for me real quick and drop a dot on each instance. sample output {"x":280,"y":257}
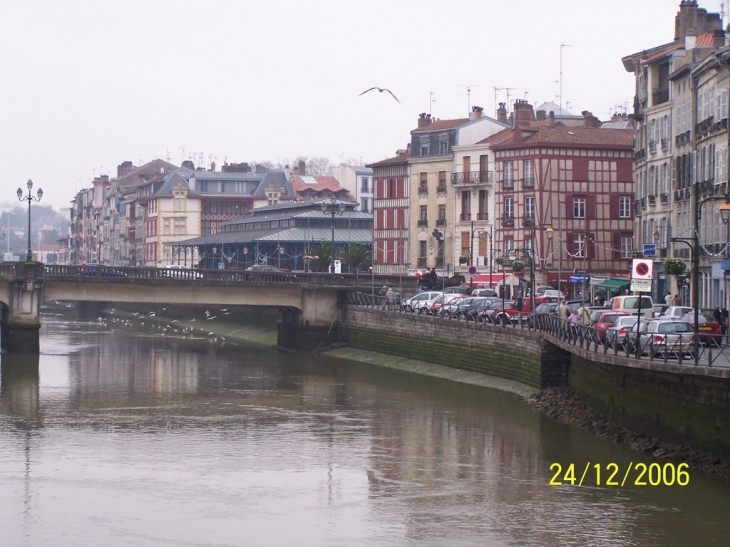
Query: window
{"x":442,"y":214}
{"x":508,"y":175}
{"x":424,"y":214}
{"x":423,"y":188}
{"x":627,"y":243}
{"x":579,"y":207}
{"x":179,"y":226}
{"x":391,"y":188}
{"x":624,"y":207}
{"x":442,"y":181}
{"x":509,"y":210}
{"x":721,"y":105}
{"x":509,"y":246}
{"x":178,"y":204}
{"x":425,"y":145}
{"x":443,"y":144}
{"x":422,"y":248}
{"x":530,"y":207}
{"x":364,"y":205}
{"x":579,"y":245}
{"x":529,"y":179}
{"x":365,"y":184}
{"x":166,"y":227}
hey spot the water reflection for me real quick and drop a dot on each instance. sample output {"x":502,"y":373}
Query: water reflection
{"x":176,"y":442}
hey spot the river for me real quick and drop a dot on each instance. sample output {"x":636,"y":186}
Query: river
{"x":128,"y":437}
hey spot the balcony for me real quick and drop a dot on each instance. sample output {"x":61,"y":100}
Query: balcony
{"x":640,"y":155}
{"x":423,"y":191}
{"x":659,"y":96}
{"x":472,"y":177}
{"x":508,"y":220}
{"x":465,"y":217}
{"x":482,"y":216}
{"x":421,"y":262}
{"x":441,"y":222}
{"x":665,"y":144}
{"x":652,"y":147}
{"x":664,"y":198}
{"x":652,"y":199}
{"x":528,"y":182}
{"x":423,"y":223}
{"x":441,"y":188}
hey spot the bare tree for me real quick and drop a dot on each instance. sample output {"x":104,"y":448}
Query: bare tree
{"x":315,"y":165}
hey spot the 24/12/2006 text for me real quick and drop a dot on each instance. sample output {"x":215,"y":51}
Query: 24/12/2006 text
{"x":611,"y":474}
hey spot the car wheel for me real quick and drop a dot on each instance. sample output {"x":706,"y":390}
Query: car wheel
{"x":408,"y":309}
{"x":422,"y":311}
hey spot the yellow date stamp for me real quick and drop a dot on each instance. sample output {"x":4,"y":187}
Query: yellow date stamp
{"x":613,"y":474}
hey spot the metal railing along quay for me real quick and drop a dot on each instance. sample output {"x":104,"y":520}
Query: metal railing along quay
{"x":680,"y":349}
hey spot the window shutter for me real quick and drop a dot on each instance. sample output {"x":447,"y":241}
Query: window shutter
{"x":591,"y":207}
{"x":615,"y":206}
{"x":570,"y":242}
{"x":569,"y":206}
{"x":616,"y":244}
{"x":591,"y":246}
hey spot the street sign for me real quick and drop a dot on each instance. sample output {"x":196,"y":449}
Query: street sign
{"x":649,"y":249}
{"x":472,"y":270}
{"x":641,"y":286}
{"x":641,"y":269}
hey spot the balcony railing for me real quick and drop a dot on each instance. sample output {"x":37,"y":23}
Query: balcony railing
{"x":423,"y":190}
{"x":441,"y":188}
{"x":472,"y":177}
{"x":423,"y":223}
{"x":528,"y":182}
{"x":465,"y":216}
{"x":441,"y":222}
{"x":508,"y":220}
{"x":421,"y":262}
{"x":482,"y":216}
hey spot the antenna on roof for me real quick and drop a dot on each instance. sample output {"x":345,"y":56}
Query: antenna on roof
{"x":431,"y":100}
{"x":468,"y":94}
{"x":507,"y":90}
{"x":560,"y":94}
{"x":495,"y":98}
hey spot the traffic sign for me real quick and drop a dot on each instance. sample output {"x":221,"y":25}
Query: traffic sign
{"x":649,"y":249}
{"x":641,"y":286}
{"x":641,"y":269}
{"x":472,"y":270}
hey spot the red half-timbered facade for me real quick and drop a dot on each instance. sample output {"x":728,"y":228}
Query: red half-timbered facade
{"x":391,"y":215}
{"x":579,"y":181}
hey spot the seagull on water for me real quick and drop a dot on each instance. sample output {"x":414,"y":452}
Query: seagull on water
{"x":381,"y":89}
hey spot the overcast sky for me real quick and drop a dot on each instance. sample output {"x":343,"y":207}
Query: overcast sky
{"x":86,"y":84}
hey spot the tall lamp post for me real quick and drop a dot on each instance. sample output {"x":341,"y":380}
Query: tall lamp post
{"x":29,"y":198}
{"x":333,"y":208}
{"x":694,"y":245}
{"x":549,"y":232}
{"x":482,"y":234}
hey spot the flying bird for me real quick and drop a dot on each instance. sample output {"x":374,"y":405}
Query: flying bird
{"x":381,"y":89}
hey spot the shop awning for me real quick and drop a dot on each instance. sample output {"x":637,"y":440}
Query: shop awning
{"x":489,"y":280}
{"x":613,"y":284}
{"x":580,"y":278}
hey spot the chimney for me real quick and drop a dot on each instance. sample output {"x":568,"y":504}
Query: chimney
{"x":686,"y":19}
{"x":212,"y":167}
{"x":301,"y":168}
{"x":552,"y":119}
{"x":287,"y":172}
{"x":589,"y":120}
{"x":540,"y":115}
{"x":191,"y":183}
{"x":476,"y":112}
{"x":718,"y":38}
{"x":424,"y":119}
{"x":502,"y":113}
{"x":690,"y":40}
{"x":523,"y":112}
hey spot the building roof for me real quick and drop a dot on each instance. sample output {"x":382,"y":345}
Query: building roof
{"x":440,"y":125}
{"x":400,"y":158}
{"x":572,"y":136}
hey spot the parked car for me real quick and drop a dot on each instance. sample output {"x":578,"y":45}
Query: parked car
{"x":631,"y":304}
{"x":422,"y":299}
{"x":659,"y":310}
{"x":675,"y":312}
{"x":597,"y":313}
{"x":263,"y":268}
{"x":548,"y":309}
{"x":470,"y":308}
{"x":178,"y":271}
{"x":451,"y":308}
{"x":606,"y":321}
{"x":491,"y":314}
{"x":668,"y":337}
{"x":459,"y":290}
{"x":617,"y":333}
{"x":709,"y":330}
{"x":442,"y":300}
{"x":90,"y":269}
{"x":491,"y":293}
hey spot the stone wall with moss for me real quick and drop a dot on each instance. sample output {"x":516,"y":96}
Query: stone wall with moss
{"x":515,"y":354}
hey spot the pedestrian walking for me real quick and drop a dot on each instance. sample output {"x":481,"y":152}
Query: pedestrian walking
{"x":574,"y":319}
{"x":668,"y":299}
{"x":389,"y":299}
{"x":677,"y":301}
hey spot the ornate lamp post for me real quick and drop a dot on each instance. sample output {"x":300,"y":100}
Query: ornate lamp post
{"x":694,"y":245}
{"x":333,"y":208}
{"x":29,"y":198}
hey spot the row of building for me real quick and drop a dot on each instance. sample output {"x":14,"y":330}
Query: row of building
{"x":470,"y":195}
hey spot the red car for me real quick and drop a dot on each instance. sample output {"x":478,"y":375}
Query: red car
{"x":709,"y":329}
{"x":605,"y":322}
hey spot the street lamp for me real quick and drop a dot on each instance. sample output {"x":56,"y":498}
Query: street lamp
{"x":245,"y":257}
{"x":549,"y":232}
{"x":333,"y":208}
{"x":482,"y":234}
{"x":694,"y":245}
{"x":29,"y":198}
{"x":281,"y":252}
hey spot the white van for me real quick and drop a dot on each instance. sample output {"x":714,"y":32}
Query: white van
{"x":630,"y":305}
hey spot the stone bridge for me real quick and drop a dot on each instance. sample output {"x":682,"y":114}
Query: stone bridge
{"x":309,"y":304}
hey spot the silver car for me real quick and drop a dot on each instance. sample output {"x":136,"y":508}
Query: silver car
{"x":616,"y":334}
{"x":666,"y":337}
{"x":421,"y":300}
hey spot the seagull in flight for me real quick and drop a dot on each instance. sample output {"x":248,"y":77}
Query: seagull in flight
{"x":381,"y":89}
